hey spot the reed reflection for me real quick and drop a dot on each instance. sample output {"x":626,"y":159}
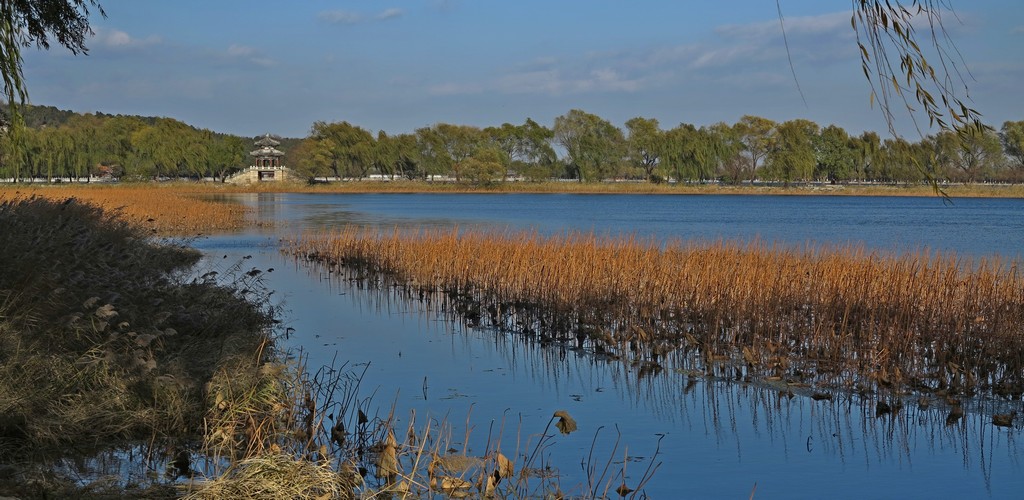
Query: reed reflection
{"x":751,"y":419}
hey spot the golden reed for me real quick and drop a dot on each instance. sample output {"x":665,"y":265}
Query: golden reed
{"x":838,"y":315}
{"x":176,"y":209}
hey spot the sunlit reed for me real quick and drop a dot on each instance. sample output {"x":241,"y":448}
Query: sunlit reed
{"x":178,"y":209}
{"x":841,"y":316}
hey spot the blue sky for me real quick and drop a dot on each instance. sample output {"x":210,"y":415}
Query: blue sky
{"x":254,"y":66}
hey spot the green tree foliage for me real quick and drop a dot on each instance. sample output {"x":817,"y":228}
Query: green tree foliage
{"x":678,"y":160}
{"x":527,"y":147}
{"x":594,"y":147}
{"x":486,"y":166}
{"x":834,"y":152}
{"x":407,"y":161}
{"x":645,"y":144}
{"x":77,"y":146}
{"x":225,"y":153}
{"x":977,"y":154}
{"x":901,"y":161}
{"x":754,"y":133}
{"x":1012,"y":137}
{"x":698,"y":154}
{"x":446,"y":147}
{"x":864,"y":149}
{"x":127,"y":147}
{"x":791,"y":154}
{"x":344,"y":149}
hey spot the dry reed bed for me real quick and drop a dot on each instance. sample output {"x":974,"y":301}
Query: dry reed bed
{"x":173,"y":209}
{"x":843,"y":316}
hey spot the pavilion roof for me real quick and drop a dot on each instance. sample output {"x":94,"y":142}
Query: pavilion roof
{"x":267,"y":140}
{"x":266,"y":151}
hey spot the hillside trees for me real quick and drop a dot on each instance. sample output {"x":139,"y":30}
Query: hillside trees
{"x":594,"y":150}
{"x":122,"y":146}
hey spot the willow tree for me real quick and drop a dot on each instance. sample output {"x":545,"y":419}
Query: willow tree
{"x":645,"y":144}
{"x":1012,"y":135}
{"x":24,"y":23}
{"x":593,"y":146}
{"x":755,"y":134}
{"x":899,"y":62}
{"x":791,"y":154}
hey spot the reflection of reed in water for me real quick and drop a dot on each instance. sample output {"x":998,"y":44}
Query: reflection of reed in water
{"x":725,"y":405}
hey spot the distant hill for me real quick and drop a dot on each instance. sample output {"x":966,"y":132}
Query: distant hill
{"x":37,"y":116}
{"x":51,"y":116}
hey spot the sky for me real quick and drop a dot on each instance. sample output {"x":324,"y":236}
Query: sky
{"x":249,"y":67}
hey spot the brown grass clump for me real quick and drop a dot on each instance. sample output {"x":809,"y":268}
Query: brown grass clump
{"x":273,"y":476}
{"x":842,"y":316}
{"x":174,"y":209}
{"x":103,"y":340}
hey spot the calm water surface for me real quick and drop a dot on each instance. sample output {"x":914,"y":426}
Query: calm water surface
{"x":717,"y":438}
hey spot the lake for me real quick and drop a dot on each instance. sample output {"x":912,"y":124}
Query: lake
{"x":713,"y":438}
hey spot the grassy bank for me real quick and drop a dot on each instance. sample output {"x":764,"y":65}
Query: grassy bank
{"x":826,"y":316}
{"x":104,"y":342}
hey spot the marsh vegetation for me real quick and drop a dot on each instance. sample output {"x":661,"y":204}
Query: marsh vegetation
{"x":841,"y":317}
{"x":116,"y":354}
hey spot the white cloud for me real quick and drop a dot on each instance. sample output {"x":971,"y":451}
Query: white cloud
{"x":236,"y":50}
{"x":829,"y":24}
{"x":250,"y":55}
{"x":548,"y":81}
{"x":117,"y":39}
{"x":1019,"y":30}
{"x":455,"y":89}
{"x":391,"y":13}
{"x":340,"y":17}
{"x":350,"y":17}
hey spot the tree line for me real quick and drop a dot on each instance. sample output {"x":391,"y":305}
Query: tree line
{"x":580,"y":146}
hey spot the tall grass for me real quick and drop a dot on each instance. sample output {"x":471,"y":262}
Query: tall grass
{"x":841,"y":316}
{"x":105,"y":339}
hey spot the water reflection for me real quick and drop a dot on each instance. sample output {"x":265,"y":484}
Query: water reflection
{"x":786,"y":442}
{"x":976,"y":227}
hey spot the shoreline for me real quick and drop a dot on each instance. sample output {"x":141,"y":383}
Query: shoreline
{"x":1007,"y":191}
